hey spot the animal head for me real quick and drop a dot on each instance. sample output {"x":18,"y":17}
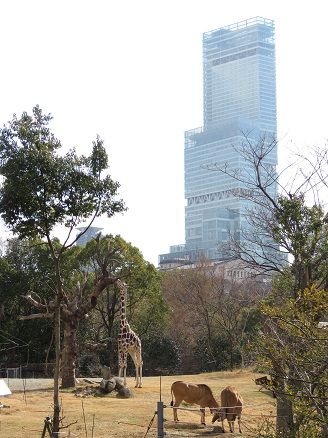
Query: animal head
{"x":220,"y":414}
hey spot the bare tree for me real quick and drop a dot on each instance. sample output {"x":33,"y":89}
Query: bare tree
{"x":190,"y":294}
{"x":291,"y":222}
{"x":234,"y":309}
{"x":206,"y":306}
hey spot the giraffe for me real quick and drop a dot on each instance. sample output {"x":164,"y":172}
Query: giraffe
{"x":128,"y":341}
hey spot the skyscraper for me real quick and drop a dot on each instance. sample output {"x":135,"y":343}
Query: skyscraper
{"x":89,"y":234}
{"x":239,"y":99}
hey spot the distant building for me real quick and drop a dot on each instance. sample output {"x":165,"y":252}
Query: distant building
{"x":239,"y":98}
{"x":234,"y":270}
{"x":88,"y":235}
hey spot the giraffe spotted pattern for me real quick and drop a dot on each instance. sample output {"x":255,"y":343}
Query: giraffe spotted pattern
{"x":128,"y":341}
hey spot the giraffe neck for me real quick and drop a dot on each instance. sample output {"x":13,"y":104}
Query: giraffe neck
{"x":123,"y":320}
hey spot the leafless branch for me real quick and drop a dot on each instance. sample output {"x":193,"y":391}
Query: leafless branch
{"x":35,"y":316}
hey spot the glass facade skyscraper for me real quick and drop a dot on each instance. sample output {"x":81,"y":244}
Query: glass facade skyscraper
{"x":239,"y":101}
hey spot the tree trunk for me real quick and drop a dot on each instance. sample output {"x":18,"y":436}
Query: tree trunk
{"x":111,"y":304}
{"x":57,"y":316}
{"x":324,"y":431}
{"x":110,"y":354}
{"x":231,"y":358}
{"x":242,"y":357}
{"x":56,"y":370}
{"x":285,"y":422}
{"x":69,"y":354}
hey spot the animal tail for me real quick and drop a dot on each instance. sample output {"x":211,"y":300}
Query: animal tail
{"x":171,"y":397}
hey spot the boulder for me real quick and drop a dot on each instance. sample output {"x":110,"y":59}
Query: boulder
{"x":107,"y":386}
{"x":124,"y":392}
{"x":106,"y":372}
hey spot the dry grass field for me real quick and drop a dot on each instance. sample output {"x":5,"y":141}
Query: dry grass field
{"x":115,"y":417}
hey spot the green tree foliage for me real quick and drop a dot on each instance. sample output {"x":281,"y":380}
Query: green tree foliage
{"x":292,"y":346}
{"x":226,"y":357}
{"x":213,"y":316}
{"x":294,"y":350}
{"x":146,"y":309}
{"x":42,"y":188}
{"x":293,"y":222}
{"x":161,"y":355}
{"x":302,"y":231}
{"x":24,"y":267}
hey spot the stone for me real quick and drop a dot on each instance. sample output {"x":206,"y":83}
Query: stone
{"x":124,"y":392}
{"x":106,"y":372}
{"x":107,"y":386}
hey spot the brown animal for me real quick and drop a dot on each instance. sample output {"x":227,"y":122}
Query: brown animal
{"x":192,"y":393}
{"x":262,"y":381}
{"x":266,"y":383}
{"x":231,"y":407}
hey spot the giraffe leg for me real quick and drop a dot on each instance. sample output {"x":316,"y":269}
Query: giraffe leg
{"x":139,"y":368}
{"x":124,"y":374}
{"x":137,"y":376}
{"x":139,"y":380}
{"x":139,"y":364}
{"x":122,"y":364}
{"x":140,"y":375}
{"x":136,"y":360}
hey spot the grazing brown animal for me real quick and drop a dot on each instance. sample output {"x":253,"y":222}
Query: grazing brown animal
{"x":192,"y":393}
{"x":262,"y":381}
{"x":231,"y":407}
{"x":266,"y":383}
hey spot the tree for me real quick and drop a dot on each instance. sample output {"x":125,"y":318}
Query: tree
{"x":77,"y":288}
{"x":145,"y":304}
{"x":293,"y":348}
{"x":303,"y":230}
{"x":190,"y":294}
{"x":208,"y":311}
{"x":31,"y":261}
{"x":24,"y":267}
{"x":42,"y":189}
{"x":279,"y":223}
{"x":294,"y":222}
{"x":237,"y":317}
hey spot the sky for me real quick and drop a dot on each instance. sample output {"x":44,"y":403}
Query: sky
{"x":131,"y":72}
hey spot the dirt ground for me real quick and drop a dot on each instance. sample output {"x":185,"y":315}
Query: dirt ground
{"x":108,"y":416}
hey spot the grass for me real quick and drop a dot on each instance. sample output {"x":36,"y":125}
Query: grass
{"x":122,"y":418}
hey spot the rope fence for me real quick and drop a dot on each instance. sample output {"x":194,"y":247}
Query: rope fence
{"x":161,"y":420}
{"x":213,"y":409}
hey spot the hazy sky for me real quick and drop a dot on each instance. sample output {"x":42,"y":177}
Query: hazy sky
{"x":131,"y":71}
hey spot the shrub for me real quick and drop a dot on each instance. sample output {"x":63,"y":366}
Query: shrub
{"x":88,"y":365}
{"x":161,"y":356}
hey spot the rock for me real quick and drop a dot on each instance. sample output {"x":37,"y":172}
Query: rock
{"x":124,"y":392}
{"x":86,"y":392}
{"x":119,"y":383}
{"x":106,"y":372}
{"x":107,"y":386}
